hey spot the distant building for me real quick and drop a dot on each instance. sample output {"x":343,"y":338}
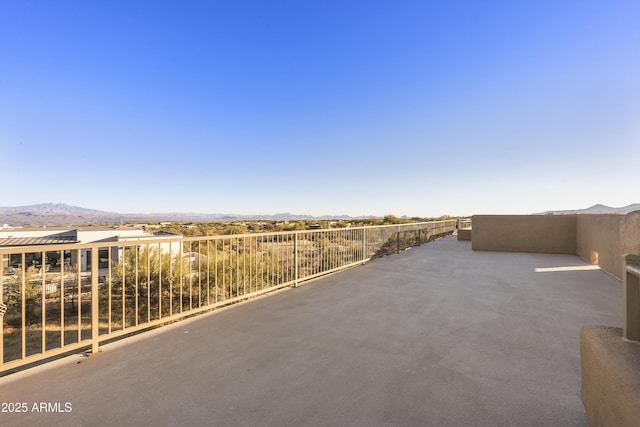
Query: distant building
{"x":36,"y":237}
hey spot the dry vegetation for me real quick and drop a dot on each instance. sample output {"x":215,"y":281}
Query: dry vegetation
{"x":147,"y":284}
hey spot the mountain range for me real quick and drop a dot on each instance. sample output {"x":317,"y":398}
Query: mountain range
{"x":598,"y":209}
{"x":60,"y":214}
{"x":55,"y":214}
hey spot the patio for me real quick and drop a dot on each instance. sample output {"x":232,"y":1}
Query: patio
{"x":439,"y":335}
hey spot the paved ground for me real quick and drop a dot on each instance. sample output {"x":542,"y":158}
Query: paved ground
{"x":437,"y":336}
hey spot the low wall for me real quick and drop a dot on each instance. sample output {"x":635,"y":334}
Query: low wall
{"x":464,"y":234}
{"x":629,"y":235}
{"x":610,"y":365}
{"x":603,"y":239}
{"x":610,"y":384}
{"x":525,"y":233}
{"x":599,"y":239}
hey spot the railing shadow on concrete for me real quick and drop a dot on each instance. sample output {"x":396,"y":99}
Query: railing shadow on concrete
{"x":96,"y":292}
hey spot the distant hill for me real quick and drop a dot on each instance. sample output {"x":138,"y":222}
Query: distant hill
{"x":53,"y":214}
{"x":597,"y":209}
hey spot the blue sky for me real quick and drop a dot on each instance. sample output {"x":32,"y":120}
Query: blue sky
{"x":418,"y":108}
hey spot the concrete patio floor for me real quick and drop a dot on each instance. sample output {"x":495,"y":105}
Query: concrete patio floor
{"x":439,"y":335}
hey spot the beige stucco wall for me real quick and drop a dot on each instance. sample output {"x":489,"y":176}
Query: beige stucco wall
{"x":603,"y":239}
{"x":464,"y":234}
{"x":525,"y":233}
{"x":630,"y":233}
{"x":610,"y":383}
{"x":598,"y":241}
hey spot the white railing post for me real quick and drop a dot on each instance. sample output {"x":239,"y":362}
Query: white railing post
{"x":295,"y":259}
{"x":631,"y":293}
{"x":364,"y":244}
{"x":94,"y":301}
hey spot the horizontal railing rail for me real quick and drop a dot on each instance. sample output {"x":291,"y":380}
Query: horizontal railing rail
{"x":464,"y":223}
{"x":55,"y":299}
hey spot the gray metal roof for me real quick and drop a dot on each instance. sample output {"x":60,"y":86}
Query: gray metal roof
{"x":29,"y":241}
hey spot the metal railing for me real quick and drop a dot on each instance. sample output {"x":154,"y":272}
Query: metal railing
{"x":60,"y":298}
{"x":464,"y":223}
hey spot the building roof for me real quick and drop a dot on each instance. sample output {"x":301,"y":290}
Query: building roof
{"x":47,"y":240}
{"x":26,"y":237}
